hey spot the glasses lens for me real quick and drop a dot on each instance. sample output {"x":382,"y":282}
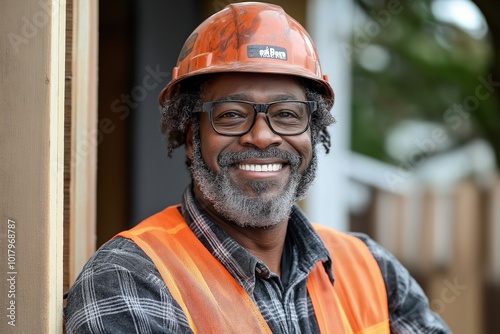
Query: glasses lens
{"x":289,"y":117}
{"x":237,"y":117}
{"x":232,"y":117}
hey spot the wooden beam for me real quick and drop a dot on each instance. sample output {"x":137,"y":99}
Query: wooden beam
{"x":31,"y":174}
{"x":458,"y":291}
{"x":84,"y":134}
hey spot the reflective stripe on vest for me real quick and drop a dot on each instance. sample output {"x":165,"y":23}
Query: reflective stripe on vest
{"x":214,"y":302}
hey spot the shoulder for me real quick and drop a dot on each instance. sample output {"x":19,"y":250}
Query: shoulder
{"x":119,"y":289}
{"x":398,"y":281}
{"x":350,"y":243}
{"x":389,"y":266}
{"x":408,"y":305}
{"x":397,"y":278}
{"x":387,"y":261}
{"x":121,"y":256}
{"x":123,"y":253}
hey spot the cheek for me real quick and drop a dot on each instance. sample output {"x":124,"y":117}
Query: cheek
{"x":211,"y":143}
{"x":303,"y":145}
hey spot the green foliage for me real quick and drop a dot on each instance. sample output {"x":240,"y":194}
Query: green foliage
{"x":417,"y":67}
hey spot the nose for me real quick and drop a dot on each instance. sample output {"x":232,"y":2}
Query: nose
{"x":261,"y":135}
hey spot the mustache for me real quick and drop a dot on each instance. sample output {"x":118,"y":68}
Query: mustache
{"x":228,"y":158}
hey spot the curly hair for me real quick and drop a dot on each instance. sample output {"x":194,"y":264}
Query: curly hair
{"x":177,"y":116}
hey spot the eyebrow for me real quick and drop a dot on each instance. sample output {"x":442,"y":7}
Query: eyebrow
{"x":233,"y":97}
{"x":244,"y":97}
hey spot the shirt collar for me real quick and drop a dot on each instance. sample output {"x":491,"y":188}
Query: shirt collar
{"x":243,"y":266}
{"x":310,"y":245}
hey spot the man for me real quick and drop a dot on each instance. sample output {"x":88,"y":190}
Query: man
{"x":250,"y":104}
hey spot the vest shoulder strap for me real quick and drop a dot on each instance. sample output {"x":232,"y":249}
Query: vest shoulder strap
{"x":359,"y":285}
{"x":202,"y":286}
{"x":209,"y":295}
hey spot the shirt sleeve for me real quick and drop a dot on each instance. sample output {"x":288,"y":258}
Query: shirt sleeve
{"x":409,"y":310}
{"x":121,"y":291}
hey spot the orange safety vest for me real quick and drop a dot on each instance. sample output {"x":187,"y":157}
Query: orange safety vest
{"x":214,"y":302}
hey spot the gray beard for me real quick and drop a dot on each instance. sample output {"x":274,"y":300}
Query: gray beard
{"x":231,"y":202}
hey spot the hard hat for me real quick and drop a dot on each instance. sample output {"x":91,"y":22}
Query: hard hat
{"x":249,"y":37}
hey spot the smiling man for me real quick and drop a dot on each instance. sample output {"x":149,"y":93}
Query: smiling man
{"x":256,"y":148}
{"x":250,"y":104}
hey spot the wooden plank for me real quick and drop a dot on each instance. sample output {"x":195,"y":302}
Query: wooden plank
{"x":67,"y":147}
{"x":491,"y":235}
{"x":411,"y":229}
{"x":443,"y":228}
{"x":458,"y":291}
{"x":493,"y":253}
{"x":84,"y":135}
{"x":386,"y":220}
{"x":426,"y":260}
{"x":436,"y":230}
{"x":31,"y":174}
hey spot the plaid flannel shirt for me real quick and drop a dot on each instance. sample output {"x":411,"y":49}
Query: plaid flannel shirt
{"x":121,"y":291}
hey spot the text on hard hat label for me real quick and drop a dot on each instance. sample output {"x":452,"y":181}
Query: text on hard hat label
{"x":266,"y":51}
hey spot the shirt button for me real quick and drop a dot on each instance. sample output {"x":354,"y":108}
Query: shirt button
{"x":262,"y":271}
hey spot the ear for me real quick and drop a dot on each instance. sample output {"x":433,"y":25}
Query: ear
{"x":189,"y":142}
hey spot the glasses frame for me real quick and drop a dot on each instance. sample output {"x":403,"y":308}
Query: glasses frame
{"x":312,"y":106}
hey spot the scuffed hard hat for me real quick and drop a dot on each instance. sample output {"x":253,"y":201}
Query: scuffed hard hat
{"x":249,"y":37}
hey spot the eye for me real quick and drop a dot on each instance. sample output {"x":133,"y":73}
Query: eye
{"x":229,"y":111}
{"x":285,"y":114}
{"x":231,"y":114}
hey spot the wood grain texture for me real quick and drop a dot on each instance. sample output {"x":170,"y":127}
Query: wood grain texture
{"x":31,"y":146}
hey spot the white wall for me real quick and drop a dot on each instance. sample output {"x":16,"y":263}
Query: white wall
{"x":330,"y":24}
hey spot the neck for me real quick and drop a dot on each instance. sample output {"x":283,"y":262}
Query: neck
{"x":265,"y":243}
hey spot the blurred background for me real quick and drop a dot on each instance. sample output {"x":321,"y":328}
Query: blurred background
{"x":416,"y":146}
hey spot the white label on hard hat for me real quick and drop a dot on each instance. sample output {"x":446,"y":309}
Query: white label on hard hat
{"x":266,"y":51}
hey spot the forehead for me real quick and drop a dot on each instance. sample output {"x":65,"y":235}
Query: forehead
{"x":253,"y":87}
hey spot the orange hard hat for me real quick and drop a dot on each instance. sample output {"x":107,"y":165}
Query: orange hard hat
{"x":249,"y":37}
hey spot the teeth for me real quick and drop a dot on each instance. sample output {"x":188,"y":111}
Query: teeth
{"x":261,"y":168}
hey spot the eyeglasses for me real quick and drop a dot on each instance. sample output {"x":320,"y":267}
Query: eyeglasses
{"x":236,"y":118}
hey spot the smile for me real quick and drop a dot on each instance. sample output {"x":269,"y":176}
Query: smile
{"x":260,"y":168}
